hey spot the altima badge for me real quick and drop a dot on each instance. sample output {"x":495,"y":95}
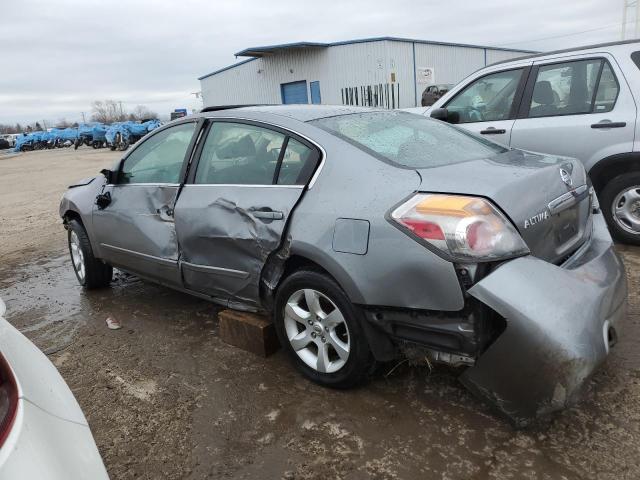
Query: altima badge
{"x":540,"y":217}
{"x":566,"y":177}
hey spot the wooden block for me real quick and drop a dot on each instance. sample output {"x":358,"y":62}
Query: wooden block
{"x":248,"y":331}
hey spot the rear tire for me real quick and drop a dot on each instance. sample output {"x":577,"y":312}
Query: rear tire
{"x":620,"y":204}
{"x":90,"y":272}
{"x":320,"y":329}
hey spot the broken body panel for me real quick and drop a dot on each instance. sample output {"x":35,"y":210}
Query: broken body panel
{"x":218,"y":241}
{"x":560,"y":324}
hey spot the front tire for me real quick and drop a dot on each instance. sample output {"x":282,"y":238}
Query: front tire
{"x":90,"y":272}
{"x":320,"y":329}
{"x":620,"y":204}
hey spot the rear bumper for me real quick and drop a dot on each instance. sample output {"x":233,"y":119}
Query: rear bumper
{"x":557,"y":322}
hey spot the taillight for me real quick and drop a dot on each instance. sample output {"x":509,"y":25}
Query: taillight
{"x":8,"y":400}
{"x":463,"y":228}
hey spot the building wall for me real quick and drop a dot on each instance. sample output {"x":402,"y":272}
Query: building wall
{"x":352,"y":66}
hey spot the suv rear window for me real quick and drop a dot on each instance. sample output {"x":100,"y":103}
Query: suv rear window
{"x":408,"y":140}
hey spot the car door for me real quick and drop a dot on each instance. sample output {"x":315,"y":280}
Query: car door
{"x":579,"y":107}
{"x":136,"y":229}
{"x":233,"y":210}
{"x":488,"y":105}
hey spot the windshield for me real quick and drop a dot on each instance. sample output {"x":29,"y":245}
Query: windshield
{"x":408,"y":140}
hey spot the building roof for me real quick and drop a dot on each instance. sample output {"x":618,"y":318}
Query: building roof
{"x":257,"y":52}
{"x":270,"y":49}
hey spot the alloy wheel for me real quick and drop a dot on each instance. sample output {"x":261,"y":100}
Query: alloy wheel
{"x":626,"y":209}
{"x":77,"y":257}
{"x":317,"y":330}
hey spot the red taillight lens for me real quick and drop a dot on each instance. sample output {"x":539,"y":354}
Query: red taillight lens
{"x":424,"y":229}
{"x":8,"y":400}
{"x":465,"y":228}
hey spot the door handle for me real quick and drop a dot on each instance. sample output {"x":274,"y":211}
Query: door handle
{"x":608,"y":124}
{"x":493,"y":131}
{"x":268,"y":214}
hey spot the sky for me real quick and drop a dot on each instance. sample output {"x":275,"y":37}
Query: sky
{"x":58,"y":56}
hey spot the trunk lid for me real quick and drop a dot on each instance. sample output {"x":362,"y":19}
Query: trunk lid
{"x":547,"y":198}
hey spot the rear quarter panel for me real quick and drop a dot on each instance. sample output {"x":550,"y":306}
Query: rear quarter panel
{"x":395,"y":271}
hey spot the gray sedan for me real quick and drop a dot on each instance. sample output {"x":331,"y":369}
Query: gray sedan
{"x":368,"y":235}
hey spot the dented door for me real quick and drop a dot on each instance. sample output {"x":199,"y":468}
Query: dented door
{"x":233,"y":212}
{"x":135,"y":227}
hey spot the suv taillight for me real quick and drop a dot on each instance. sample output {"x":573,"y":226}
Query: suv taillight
{"x":8,"y":400}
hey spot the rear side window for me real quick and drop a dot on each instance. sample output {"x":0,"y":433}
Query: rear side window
{"x":573,"y":88}
{"x":607,"y":90}
{"x":635,"y":56}
{"x":298,"y":164}
{"x":239,"y":154}
{"x":408,"y":140}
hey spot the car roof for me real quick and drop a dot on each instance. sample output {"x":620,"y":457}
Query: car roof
{"x":566,"y":50}
{"x":302,"y":113}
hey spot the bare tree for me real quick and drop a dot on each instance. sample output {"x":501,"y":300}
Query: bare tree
{"x":107,"y":111}
{"x":142,"y":112}
{"x":62,"y":123}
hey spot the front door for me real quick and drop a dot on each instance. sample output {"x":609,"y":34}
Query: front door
{"x":136,"y":230}
{"x":488,"y":105}
{"x":577,"y":107}
{"x":232,"y":212}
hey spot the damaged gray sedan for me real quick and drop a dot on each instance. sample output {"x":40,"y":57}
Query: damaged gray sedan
{"x":367,"y":234}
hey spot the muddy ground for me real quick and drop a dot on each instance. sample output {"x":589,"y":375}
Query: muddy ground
{"x":165,"y":398}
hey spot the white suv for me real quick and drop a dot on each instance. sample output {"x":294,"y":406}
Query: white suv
{"x":579,"y":103}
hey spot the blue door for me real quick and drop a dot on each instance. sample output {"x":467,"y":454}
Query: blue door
{"x":294,"y":92}
{"x":315,"y":93}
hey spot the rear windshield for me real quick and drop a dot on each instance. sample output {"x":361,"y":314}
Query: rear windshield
{"x":408,"y":140}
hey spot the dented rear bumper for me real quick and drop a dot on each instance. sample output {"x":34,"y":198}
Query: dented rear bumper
{"x":561,"y":322}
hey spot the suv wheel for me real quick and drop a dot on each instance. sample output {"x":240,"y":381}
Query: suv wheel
{"x":90,"y":272}
{"x":620,"y":203}
{"x":320,"y":329}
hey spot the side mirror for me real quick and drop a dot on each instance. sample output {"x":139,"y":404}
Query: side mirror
{"x":445,"y":115}
{"x":110,"y":175}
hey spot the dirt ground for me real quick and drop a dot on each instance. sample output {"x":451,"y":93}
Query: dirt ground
{"x":165,"y":398}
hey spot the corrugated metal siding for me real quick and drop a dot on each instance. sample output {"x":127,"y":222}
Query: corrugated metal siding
{"x":342,"y":66}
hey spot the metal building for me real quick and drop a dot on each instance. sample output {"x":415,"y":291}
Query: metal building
{"x":387,"y":71}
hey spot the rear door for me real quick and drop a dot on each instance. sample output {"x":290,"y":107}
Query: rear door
{"x":136,"y":229}
{"x":234,"y":208}
{"x":579,"y":107}
{"x":488,"y":105}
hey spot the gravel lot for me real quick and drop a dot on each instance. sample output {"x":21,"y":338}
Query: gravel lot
{"x":165,"y":398}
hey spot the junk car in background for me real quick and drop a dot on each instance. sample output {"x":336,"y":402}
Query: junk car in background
{"x":92,"y":134}
{"x":121,"y":135}
{"x":581,"y":102}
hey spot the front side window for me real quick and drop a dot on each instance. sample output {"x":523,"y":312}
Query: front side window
{"x":408,"y":140}
{"x":488,"y":98}
{"x":159,"y":159}
{"x":568,"y":89}
{"x":239,"y":154}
